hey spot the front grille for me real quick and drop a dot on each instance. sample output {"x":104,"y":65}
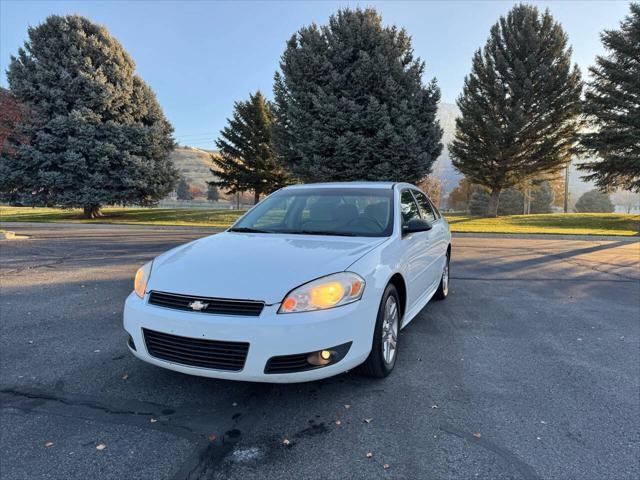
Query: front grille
{"x":196,"y":352}
{"x":220,"y":306}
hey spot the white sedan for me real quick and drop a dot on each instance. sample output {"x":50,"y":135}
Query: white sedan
{"x":314,"y":280}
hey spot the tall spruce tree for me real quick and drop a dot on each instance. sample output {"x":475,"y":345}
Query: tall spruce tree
{"x":96,"y":134}
{"x":247,"y":159}
{"x":351,"y":104}
{"x":519,"y":106}
{"x":612,"y":107}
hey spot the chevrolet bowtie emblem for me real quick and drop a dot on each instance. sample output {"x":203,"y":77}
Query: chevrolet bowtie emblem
{"x":198,"y":305}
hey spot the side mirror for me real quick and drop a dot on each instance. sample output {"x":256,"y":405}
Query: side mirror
{"x":416,"y":225}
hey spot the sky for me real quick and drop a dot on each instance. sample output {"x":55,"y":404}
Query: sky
{"x":201,"y":56}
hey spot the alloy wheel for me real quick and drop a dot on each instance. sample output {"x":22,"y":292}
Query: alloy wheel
{"x":390,"y":330}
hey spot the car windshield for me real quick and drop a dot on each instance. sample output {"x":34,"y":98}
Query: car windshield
{"x":366,"y":212}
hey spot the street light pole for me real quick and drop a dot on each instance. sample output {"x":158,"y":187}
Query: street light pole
{"x":566,"y":188}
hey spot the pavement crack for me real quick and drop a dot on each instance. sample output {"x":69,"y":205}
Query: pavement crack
{"x":526,"y":470}
{"x":129,"y":412}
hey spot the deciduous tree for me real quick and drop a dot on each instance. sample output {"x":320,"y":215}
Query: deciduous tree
{"x":594,"y":201}
{"x":460,"y":196}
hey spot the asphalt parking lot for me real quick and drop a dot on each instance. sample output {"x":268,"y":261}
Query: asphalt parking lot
{"x":530,"y":370}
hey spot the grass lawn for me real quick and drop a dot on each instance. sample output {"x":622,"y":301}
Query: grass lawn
{"x":569,"y":224}
{"x":553,"y":223}
{"x":136,"y":216}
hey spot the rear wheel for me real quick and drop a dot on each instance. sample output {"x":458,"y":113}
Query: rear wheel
{"x":384,"y":350}
{"x":443,"y":288}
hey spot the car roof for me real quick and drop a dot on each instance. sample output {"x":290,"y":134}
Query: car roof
{"x":342,"y":185}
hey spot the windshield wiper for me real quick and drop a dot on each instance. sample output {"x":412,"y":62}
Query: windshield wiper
{"x":249,"y":230}
{"x":321,"y":232}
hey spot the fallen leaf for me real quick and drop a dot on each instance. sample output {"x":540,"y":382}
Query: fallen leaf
{"x":96,"y":351}
{"x":368,"y":420}
{"x":385,"y":466}
{"x":101,"y":446}
{"x":48,"y":444}
{"x":286,"y":442}
{"x":212,"y":438}
{"x":369,"y":455}
{"x":543,"y":422}
{"x":153,"y":420}
{"x":125,"y":376}
{"x":477,"y":434}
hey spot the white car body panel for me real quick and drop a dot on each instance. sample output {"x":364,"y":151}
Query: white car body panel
{"x":253,"y":266}
{"x":265,"y":267}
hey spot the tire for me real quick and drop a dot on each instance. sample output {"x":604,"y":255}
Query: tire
{"x":443,"y":288}
{"x":383,"y":357}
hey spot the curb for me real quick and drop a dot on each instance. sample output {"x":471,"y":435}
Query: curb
{"x":124,"y":226}
{"x":6,"y":235}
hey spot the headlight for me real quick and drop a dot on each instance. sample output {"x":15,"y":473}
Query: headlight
{"x":326,"y":292}
{"x":142,"y":278}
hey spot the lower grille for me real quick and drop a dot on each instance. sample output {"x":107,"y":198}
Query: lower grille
{"x":299,"y":362}
{"x":289,"y":364}
{"x":196,"y":352}
{"x":220,"y":306}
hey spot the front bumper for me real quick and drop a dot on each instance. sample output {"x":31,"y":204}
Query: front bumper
{"x":269,"y":335}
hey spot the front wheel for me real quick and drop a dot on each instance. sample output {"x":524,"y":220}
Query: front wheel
{"x":443,"y":288}
{"x":384,"y":350}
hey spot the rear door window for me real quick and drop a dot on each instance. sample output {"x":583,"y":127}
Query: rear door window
{"x":426,"y":210}
{"x":408,"y":207}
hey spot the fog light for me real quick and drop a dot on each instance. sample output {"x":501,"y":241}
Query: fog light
{"x":321,"y":358}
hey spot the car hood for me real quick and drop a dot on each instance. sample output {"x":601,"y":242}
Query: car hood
{"x":252,"y":266}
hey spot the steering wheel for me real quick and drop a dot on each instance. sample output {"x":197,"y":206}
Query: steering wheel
{"x":368,"y":219}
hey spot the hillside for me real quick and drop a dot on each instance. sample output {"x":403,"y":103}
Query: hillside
{"x":443,"y":169}
{"x":193,"y":164}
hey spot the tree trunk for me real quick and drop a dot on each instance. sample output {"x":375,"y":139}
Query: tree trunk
{"x":492,"y":211}
{"x":256,"y":197}
{"x":92,"y":211}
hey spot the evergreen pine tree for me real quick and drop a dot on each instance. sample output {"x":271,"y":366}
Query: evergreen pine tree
{"x":612,"y":105}
{"x":519,"y":106}
{"x":247,"y":159}
{"x":511,"y":202}
{"x":542,"y":198}
{"x":594,"y":201}
{"x":183,"y":192}
{"x":213,"y":195}
{"x":479,"y":201}
{"x":351,"y":104}
{"x":96,"y":133}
